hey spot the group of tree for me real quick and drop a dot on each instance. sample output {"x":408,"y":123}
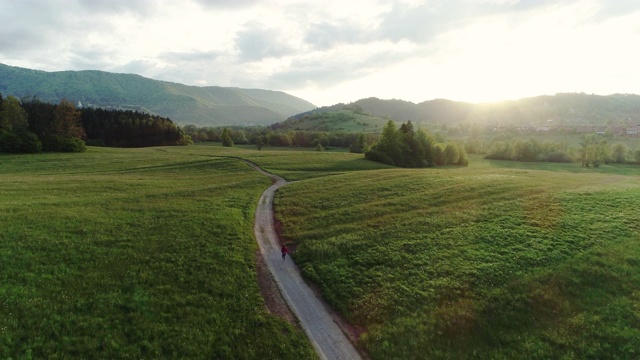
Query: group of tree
{"x":126,"y":128}
{"x":593,"y":150}
{"x":527,"y":150}
{"x":58,"y":129}
{"x":271,"y":136}
{"x":405,"y":147}
{"x":31,"y":125}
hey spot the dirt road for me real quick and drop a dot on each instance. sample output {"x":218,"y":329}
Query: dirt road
{"x":316,"y":320}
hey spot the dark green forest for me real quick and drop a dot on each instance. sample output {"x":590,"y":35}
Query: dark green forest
{"x":31,"y":126}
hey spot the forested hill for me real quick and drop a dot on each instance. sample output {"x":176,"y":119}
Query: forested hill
{"x":567,"y":108}
{"x":203,"y":106}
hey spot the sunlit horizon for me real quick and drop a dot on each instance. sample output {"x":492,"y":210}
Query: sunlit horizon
{"x":335,"y":52}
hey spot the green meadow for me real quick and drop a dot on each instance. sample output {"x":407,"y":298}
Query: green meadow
{"x":149,"y":253}
{"x":498,"y":260}
{"x":133,"y":253}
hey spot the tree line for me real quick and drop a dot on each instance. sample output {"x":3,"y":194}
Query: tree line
{"x":402,"y":147}
{"x":127,"y":128}
{"x":592,"y":151}
{"x":271,"y":136}
{"x":31,"y":125}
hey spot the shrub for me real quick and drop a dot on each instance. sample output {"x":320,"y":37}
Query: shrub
{"x":8,"y":142}
{"x":73,"y":145}
{"x":21,"y":142}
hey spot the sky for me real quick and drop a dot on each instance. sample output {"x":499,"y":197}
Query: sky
{"x":334,"y":51}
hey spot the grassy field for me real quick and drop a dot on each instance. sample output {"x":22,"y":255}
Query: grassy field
{"x":137,"y":253}
{"x":148,"y":253}
{"x":497,"y":260}
{"x":291,"y":163}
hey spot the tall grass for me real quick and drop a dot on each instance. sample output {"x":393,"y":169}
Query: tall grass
{"x":481,"y":262}
{"x":137,"y":253}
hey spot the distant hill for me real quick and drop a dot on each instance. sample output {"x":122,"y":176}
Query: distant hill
{"x":343,"y":119}
{"x":202,"y":106}
{"x":569,"y":109}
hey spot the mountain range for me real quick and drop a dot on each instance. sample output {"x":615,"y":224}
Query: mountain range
{"x":216,"y":106}
{"x":202,"y":106}
{"x":563,"y":108}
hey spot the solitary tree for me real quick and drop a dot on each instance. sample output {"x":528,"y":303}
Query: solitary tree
{"x":226,"y":137}
{"x":259,"y":142}
{"x":67,"y":121}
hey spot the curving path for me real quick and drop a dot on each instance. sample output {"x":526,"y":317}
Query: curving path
{"x":316,"y":320}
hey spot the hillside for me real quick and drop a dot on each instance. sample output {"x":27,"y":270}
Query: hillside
{"x":342,"y":119}
{"x":497,"y":260}
{"x":567,"y":109}
{"x":203,"y":106}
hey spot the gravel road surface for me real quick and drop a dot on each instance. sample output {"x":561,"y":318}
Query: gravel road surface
{"x":316,"y":320}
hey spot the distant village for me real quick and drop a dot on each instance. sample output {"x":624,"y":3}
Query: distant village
{"x":626,"y":129}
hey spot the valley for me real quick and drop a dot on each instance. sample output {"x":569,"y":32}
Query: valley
{"x":117,"y":251}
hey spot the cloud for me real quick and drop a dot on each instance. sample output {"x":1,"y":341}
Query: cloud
{"x":138,"y":7}
{"x":258,"y":42}
{"x":227,"y":3}
{"x":609,"y":9}
{"x":323,"y":46}
{"x":52,"y":35}
{"x":14,"y":42}
{"x":326,"y":35}
{"x":189,"y":57}
{"x":417,"y":24}
{"x":91,"y":58}
{"x":340,"y":65}
{"x":25,"y":25}
{"x":143,"y":67}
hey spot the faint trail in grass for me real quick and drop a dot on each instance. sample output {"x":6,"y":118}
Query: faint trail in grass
{"x":315,"y":318}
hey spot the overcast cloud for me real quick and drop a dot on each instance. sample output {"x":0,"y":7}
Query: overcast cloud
{"x":339,"y":51}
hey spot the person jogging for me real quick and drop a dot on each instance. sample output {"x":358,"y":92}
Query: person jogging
{"x":284,"y":252}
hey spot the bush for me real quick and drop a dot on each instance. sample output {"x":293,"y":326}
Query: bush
{"x":60,"y":144}
{"x":21,"y":142}
{"x":73,"y":145}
